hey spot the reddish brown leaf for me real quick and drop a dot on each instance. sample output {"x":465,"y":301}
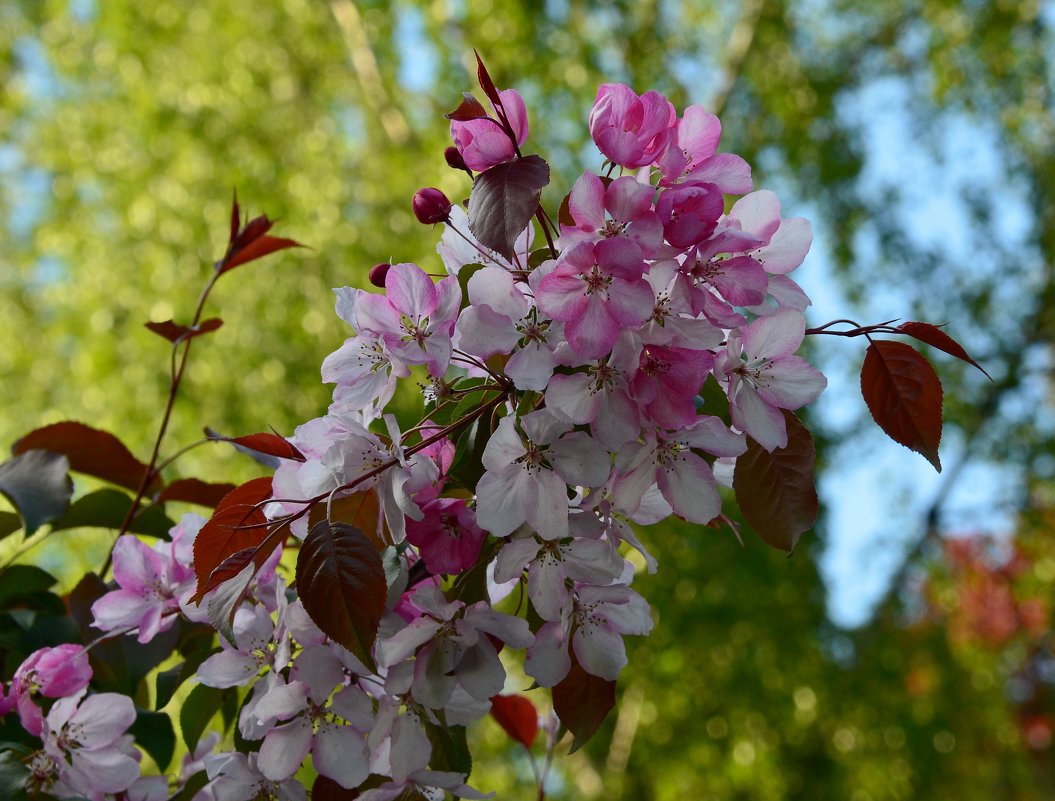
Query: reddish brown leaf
{"x":90,"y":451}
{"x":234,"y":564}
{"x":564,"y":212}
{"x":328,"y":790}
{"x":341,"y":581}
{"x":503,"y":201}
{"x":517,"y":715}
{"x":362,"y":510}
{"x":236,"y":217}
{"x":236,"y":524}
{"x":904,"y":395}
{"x":267,"y":443}
{"x":193,"y":490}
{"x":251,"y":242}
{"x":174,"y":332}
{"x":469,"y":109}
{"x":582,"y":701}
{"x":936,"y":338}
{"x":775,"y":491}
{"x":484,"y":77}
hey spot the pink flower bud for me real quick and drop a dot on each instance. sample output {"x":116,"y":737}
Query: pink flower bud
{"x":431,"y":206}
{"x":454,"y":158}
{"x":56,"y":672}
{"x":378,"y":273}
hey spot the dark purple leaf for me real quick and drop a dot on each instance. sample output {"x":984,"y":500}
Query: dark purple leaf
{"x":503,"y":201}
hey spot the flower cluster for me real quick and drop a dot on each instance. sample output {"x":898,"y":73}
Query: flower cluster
{"x":563,"y":405}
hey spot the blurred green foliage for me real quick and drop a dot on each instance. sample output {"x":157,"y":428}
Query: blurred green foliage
{"x":124,"y":127}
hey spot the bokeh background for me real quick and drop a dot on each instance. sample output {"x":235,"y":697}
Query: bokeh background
{"x":905,"y":651}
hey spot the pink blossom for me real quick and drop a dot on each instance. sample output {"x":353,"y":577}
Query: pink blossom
{"x":50,"y":672}
{"x":764,"y":377}
{"x":630,"y":215}
{"x":237,"y":777}
{"x":689,"y":213}
{"x":415,"y":316}
{"x":597,"y":290}
{"x":85,"y":752}
{"x":669,"y":460}
{"x":151,"y":582}
{"x":484,"y":142}
{"x":630,"y":130}
{"x":691,"y":155}
{"x":596,"y":621}
{"x":666,"y":383}
{"x":447,"y":535}
{"x":526,"y":479}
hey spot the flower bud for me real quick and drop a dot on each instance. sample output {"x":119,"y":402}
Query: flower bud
{"x":378,"y":273}
{"x":431,"y":206}
{"x":454,"y":158}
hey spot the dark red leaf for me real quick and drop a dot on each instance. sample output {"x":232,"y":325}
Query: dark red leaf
{"x":252,"y":242}
{"x":904,"y":395}
{"x":341,"y":581}
{"x":486,"y":83}
{"x":517,"y":715}
{"x":564,"y":212}
{"x":266,"y":443}
{"x":236,"y":217}
{"x":936,"y":338}
{"x":775,"y":491}
{"x":234,"y":564}
{"x":193,"y":490}
{"x":90,"y":451}
{"x":361,"y":510}
{"x":503,"y":201}
{"x":174,"y":332}
{"x":582,"y":701}
{"x":237,"y":523}
{"x":328,"y":790}
{"x":469,"y":109}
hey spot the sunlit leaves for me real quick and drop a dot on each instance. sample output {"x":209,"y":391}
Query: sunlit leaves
{"x":341,"y":582}
{"x":904,"y":395}
{"x":775,"y":490}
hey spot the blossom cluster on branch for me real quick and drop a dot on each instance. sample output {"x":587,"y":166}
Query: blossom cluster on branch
{"x":640,"y":364}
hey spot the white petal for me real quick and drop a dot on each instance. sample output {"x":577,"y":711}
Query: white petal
{"x":340,"y":754}
{"x":284,"y":749}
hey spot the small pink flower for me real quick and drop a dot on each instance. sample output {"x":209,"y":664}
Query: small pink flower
{"x":630,"y":130}
{"x":447,"y":536}
{"x":484,"y":142}
{"x":628,"y":204}
{"x":597,"y":290}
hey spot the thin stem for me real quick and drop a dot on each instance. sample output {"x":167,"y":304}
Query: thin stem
{"x":177,"y":377}
{"x":540,"y":215}
{"x":475,"y":244}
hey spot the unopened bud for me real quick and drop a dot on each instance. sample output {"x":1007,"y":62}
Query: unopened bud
{"x":454,"y":158}
{"x":431,"y":206}
{"x":378,"y":273}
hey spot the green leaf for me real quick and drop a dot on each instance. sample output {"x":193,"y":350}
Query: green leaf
{"x":200,"y":707}
{"x":712,"y":400}
{"x":9,"y":523}
{"x":154,"y":733}
{"x":450,"y":751}
{"x":341,"y":582}
{"x":464,"y":274}
{"x":168,"y":681}
{"x":192,"y":787}
{"x":106,"y":508}
{"x":38,"y":485}
{"x":19,"y":581}
{"x":13,"y":776}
